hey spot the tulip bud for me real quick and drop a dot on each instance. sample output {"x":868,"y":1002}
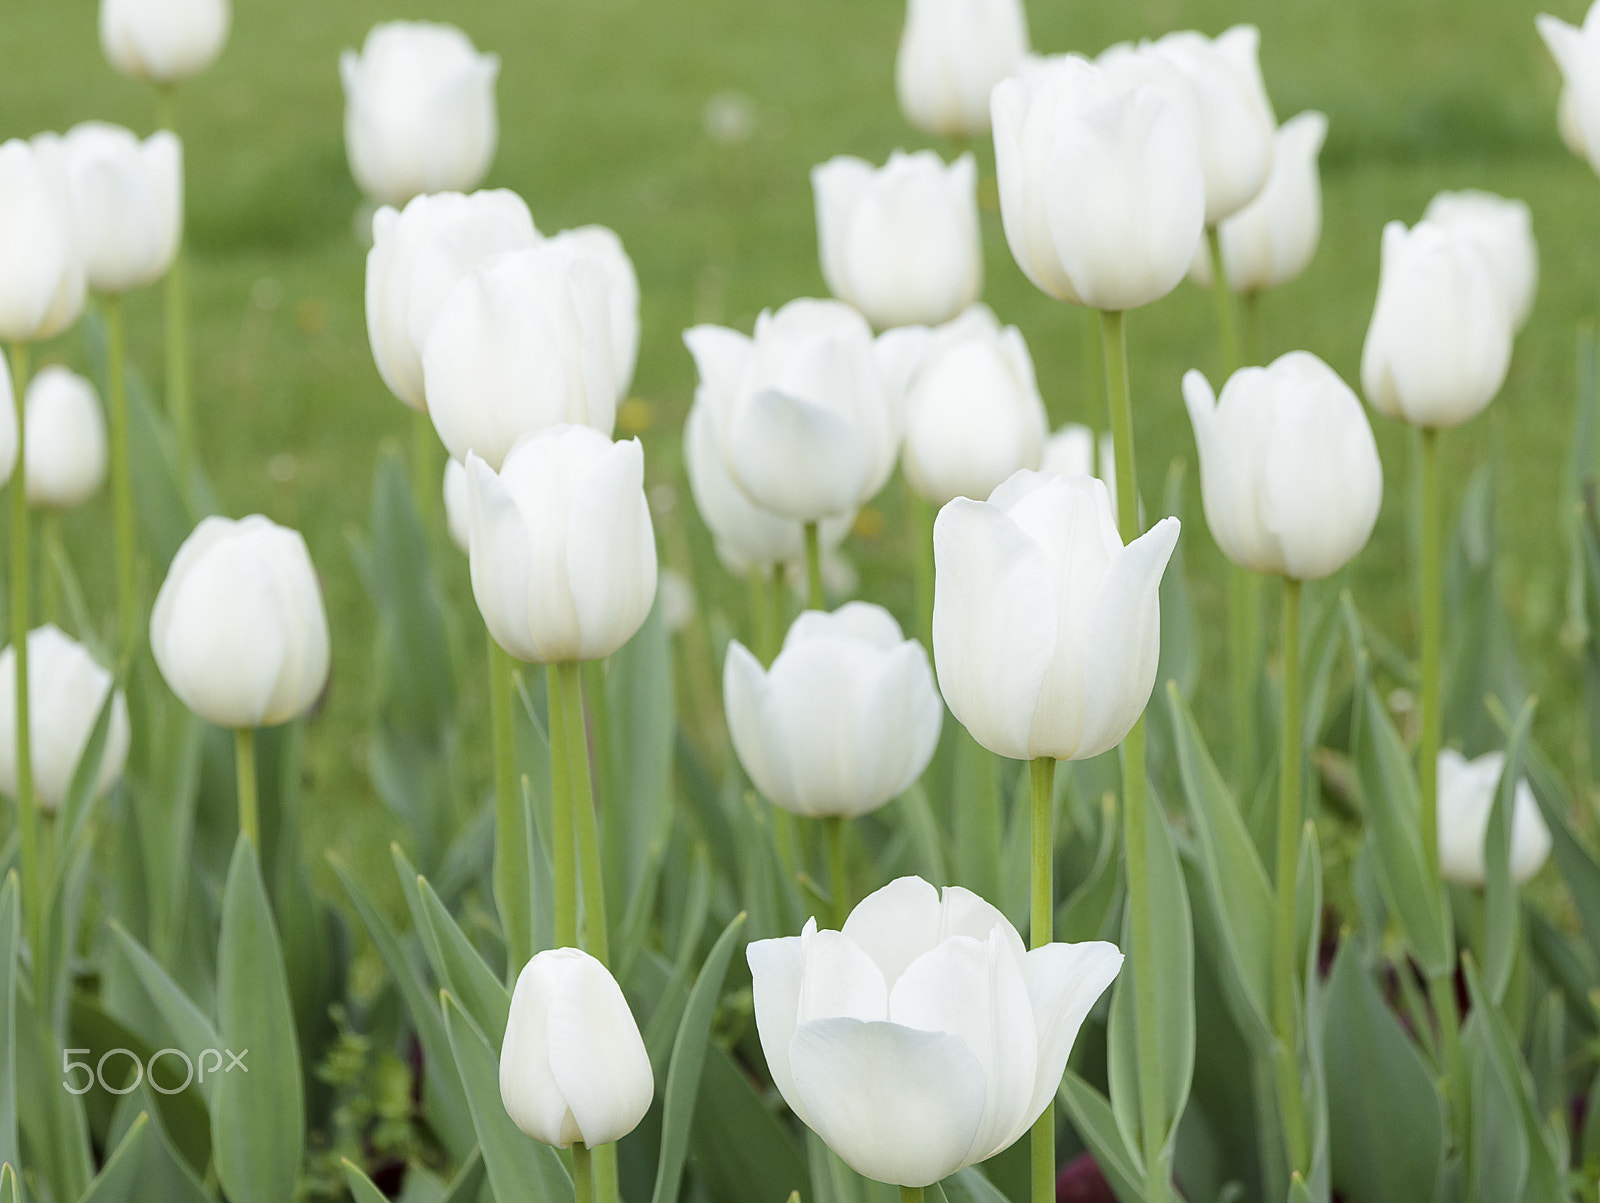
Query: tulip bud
{"x":455,"y":505}
{"x":1272,"y":239}
{"x":573,"y":1066}
{"x":1289,"y":470}
{"x":1466,"y":798}
{"x":163,"y":41}
{"x":66,"y":445}
{"x":41,"y":268}
{"x":521,"y":343}
{"x":1577,"y":52}
{"x":922,"y":1038}
{"x":1046,"y":630}
{"x":846,"y":718}
{"x":602,"y":246}
{"x":563,"y":551}
{"x":1440,"y":339}
{"x":419,"y":254}
{"x":952,"y":53}
{"x":1102,"y":192}
{"x":419,"y":111}
{"x":238,"y":629}
{"x":1504,"y":228}
{"x":900,"y":242}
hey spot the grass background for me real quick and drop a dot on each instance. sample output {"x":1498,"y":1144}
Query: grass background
{"x":602,"y":107}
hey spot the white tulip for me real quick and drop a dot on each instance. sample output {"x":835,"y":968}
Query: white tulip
{"x":66,"y":692}
{"x":1073,"y":450}
{"x":563,"y":551}
{"x":573,"y":1066}
{"x":1569,"y":124}
{"x":523,"y":342}
{"x":973,"y":411}
{"x":1102,"y":192}
{"x":922,"y":1038}
{"x":1046,"y":629}
{"x":238,"y":629}
{"x":952,"y":53}
{"x":1273,"y":239}
{"x":1289,"y":470}
{"x":1466,"y":797}
{"x":1504,"y":228}
{"x":163,"y":41}
{"x":419,"y":254}
{"x":1576,"y":50}
{"x":1439,"y":344}
{"x":419,"y":111}
{"x":622,"y":289}
{"x":846,"y":718}
{"x":900,"y":242}
{"x":455,"y":505}
{"x":66,"y":444}
{"x":41,"y":267}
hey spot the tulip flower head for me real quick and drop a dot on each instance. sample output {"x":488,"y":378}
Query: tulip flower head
{"x":846,"y":718}
{"x":952,"y":53}
{"x":602,"y":246}
{"x":163,"y":41}
{"x":66,"y":445}
{"x":41,"y":266}
{"x":1466,"y":798}
{"x":922,"y":1038}
{"x":1046,"y":629}
{"x":1289,"y":470}
{"x":1504,"y":228}
{"x":1576,"y":50}
{"x":573,"y":1066}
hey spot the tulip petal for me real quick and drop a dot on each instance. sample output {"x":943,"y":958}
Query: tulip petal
{"x":837,"y":186}
{"x":597,"y":1056}
{"x":720,"y":357}
{"x":611,"y":551}
{"x":838,"y":979}
{"x":1064,"y":982}
{"x":501,"y":560}
{"x":753,"y":728}
{"x":896,"y":924}
{"x":964,"y":913}
{"x":776,"y":968}
{"x":797,"y":458}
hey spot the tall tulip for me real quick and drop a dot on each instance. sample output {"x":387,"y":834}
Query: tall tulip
{"x":163,"y":41}
{"x":952,"y":53}
{"x":1466,"y":800}
{"x":1504,"y":228}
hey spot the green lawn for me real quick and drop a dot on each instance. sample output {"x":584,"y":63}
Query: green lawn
{"x":601,"y":106}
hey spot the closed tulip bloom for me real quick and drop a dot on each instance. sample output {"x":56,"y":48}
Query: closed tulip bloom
{"x":1466,"y":798}
{"x":563,"y":551}
{"x":573,"y":1067}
{"x":238,"y":629}
{"x":846,"y":718}
{"x":1439,"y":344}
{"x":66,"y":692}
{"x":419,"y":254}
{"x":973,"y":411}
{"x":1046,"y":629}
{"x":66,"y":439}
{"x":523,"y":342}
{"x":603,"y":247}
{"x":1272,"y":240}
{"x":1504,"y":228}
{"x":900,"y":242}
{"x":419,"y":111}
{"x":455,"y":505}
{"x":1576,"y":50}
{"x":952,"y":53}
{"x":41,"y":268}
{"x":1289,"y":470}
{"x":163,"y":41}
{"x":1102,"y":192}
{"x":922,"y":1038}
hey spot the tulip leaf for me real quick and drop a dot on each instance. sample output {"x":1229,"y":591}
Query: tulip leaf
{"x":970,"y":1186}
{"x":1500,"y":893}
{"x":456,"y":963}
{"x":76,"y":804}
{"x":1299,"y":1192}
{"x":639,"y":701}
{"x":10,"y":934}
{"x":361,"y":1188}
{"x":1092,"y":1116}
{"x":55,"y":1130}
{"x":8,"y":1185}
{"x":122,"y":1178}
{"x":187,"y":1027}
{"x":1088,"y":911}
{"x":467,"y":1185}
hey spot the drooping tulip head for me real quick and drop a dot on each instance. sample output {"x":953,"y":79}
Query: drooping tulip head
{"x":952,"y":53}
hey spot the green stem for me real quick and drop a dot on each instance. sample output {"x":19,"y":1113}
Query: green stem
{"x":1442,"y":994}
{"x":911,"y":1194}
{"x":605,"y":1174}
{"x":597,"y":705}
{"x":49,"y":581}
{"x":1227,"y":319}
{"x":1431,"y":623}
{"x":27,"y":809}
{"x":1041,"y":931}
{"x":244,"y":762}
{"x":838,"y":885}
{"x":512,"y":887}
{"x":1284,"y":959}
{"x":425,"y":471}
{"x":1244,"y":672}
{"x":814,"y":596}
{"x":122,"y":480}
{"x":923,"y":515}
{"x":177,"y":318}
{"x":564,"y":848}
{"x":1114,"y":344}
{"x":582,"y":1174}
{"x":585,"y":822}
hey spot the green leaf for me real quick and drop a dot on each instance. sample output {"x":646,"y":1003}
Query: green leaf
{"x":463,"y":972}
{"x":1092,"y":1117}
{"x":8,"y":1185}
{"x":641,"y":709}
{"x":970,"y":1186}
{"x":1088,"y":911}
{"x":79,"y":798}
{"x":187,"y":1027}
{"x":10,"y":933}
{"x":122,"y":1178}
{"x":361,"y":1188}
{"x":467,"y":1185}
{"x":1500,"y":894}
{"x":1577,"y":865}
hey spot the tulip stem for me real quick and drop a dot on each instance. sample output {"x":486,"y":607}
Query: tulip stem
{"x":122,"y":479}
{"x":244,"y":763}
{"x":814,"y":596}
{"x":1431,"y":620}
{"x":833,"y":828}
{"x":513,"y":894}
{"x":563,"y":845}
{"x":1283,"y":1001}
{"x":1114,"y":338}
{"x":27,"y":810}
{"x":1041,"y":931}
{"x":177,"y":318}
{"x":911,"y":1194}
{"x":1227,"y":319}
{"x":582,"y":1174}
{"x":585,"y":821}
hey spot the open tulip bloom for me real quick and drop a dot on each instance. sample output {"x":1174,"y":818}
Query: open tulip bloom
{"x":921,"y":1038}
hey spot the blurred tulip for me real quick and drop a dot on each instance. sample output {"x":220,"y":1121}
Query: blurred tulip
{"x":419,"y":254}
{"x":900,"y":242}
{"x":238,"y":629}
{"x":952,"y":53}
{"x":846,"y":718}
{"x":66,"y":446}
{"x":563,"y":551}
{"x":1046,"y":630}
{"x":163,"y":41}
{"x":419,"y":111}
{"x":455,"y":505}
{"x":1466,"y":797}
{"x":1102,"y":191}
{"x":1289,"y":469}
{"x":922,"y":1038}
{"x":8,"y":423}
{"x":573,"y":1066}
{"x":1504,"y":228}
{"x":1569,"y":124}
{"x":622,"y":290}
{"x":675,"y":596}
{"x":41,"y":267}
{"x":1073,"y":450}
{"x":1576,"y":50}
{"x":1440,"y":339}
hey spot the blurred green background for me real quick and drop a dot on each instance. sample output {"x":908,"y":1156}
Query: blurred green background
{"x":604,"y":118}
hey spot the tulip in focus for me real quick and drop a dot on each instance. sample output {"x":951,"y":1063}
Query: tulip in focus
{"x":921,"y":1038}
{"x":238,"y":629}
{"x":419,"y":111}
{"x":1046,"y":629}
{"x":163,"y":41}
{"x":573,"y":1067}
{"x":455,"y":505}
{"x":952,"y":53}
{"x":66,"y":444}
{"x":602,"y":246}
{"x":900,"y":242}
{"x":1576,"y":50}
{"x":41,"y":267}
{"x":1466,"y":798}
{"x":1504,"y":228}
{"x":846,"y":718}
{"x":1289,"y":470}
